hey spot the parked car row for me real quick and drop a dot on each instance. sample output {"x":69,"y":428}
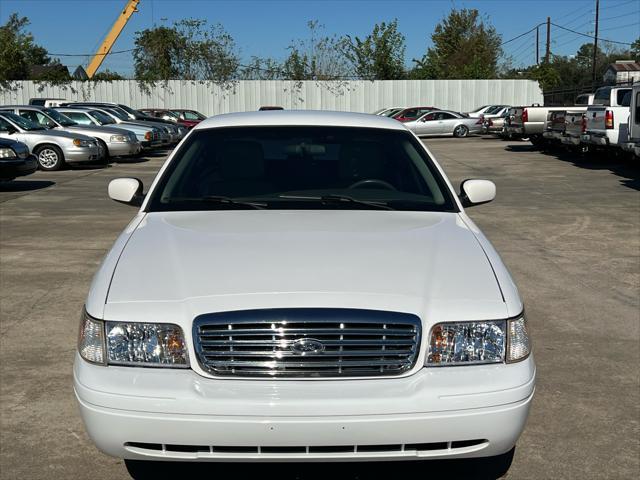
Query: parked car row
{"x":606,"y":120}
{"x":55,"y":132}
{"x":432,"y":121}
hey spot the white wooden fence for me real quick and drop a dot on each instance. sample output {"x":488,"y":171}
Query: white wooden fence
{"x":246,"y":95}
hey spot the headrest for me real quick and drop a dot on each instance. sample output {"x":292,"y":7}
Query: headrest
{"x":241,"y":160}
{"x":362,"y":160}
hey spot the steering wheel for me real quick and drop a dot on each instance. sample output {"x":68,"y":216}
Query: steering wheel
{"x":372,"y":181}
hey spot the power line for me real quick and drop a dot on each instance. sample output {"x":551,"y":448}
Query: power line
{"x":620,"y":26}
{"x":589,"y":36}
{"x":522,"y":34}
{"x":88,"y":54}
{"x":619,"y":16}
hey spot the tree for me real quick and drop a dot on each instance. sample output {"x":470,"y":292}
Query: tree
{"x":106,"y":75}
{"x":464,"y":46}
{"x":380,"y":55}
{"x":19,"y":54}
{"x":188,"y":50}
{"x":319,"y":57}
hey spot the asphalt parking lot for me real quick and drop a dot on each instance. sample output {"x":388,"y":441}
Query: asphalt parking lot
{"x":568,"y":229}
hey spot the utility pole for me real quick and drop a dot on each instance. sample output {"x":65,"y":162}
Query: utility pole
{"x":547,"y":54}
{"x":538,"y":45}
{"x":595,"y":42}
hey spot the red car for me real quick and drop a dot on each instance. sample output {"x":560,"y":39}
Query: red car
{"x":186,"y":120}
{"x":412,"y":113}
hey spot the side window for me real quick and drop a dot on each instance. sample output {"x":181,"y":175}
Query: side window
{"x":36,"y":117}
{"x":189,"y":116}
{"x":4,"y":125}
{"x":446,"y":116}
{"x":623,"y":97}
{"x":410,"y":113}
{"x":602,"y":97}
{"x":431,"y":116}
{"x":79,"y":117}
{"x":637,"y":115}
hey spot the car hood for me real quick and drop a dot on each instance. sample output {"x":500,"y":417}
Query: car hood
{"x":357,"y":259}
{"x":59,"y":134}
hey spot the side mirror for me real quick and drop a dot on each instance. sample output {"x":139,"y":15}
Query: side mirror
{"x":476,"y":192}
{"x":126,"y":190}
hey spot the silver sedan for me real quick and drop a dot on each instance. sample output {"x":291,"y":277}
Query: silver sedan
{"x":444,"y":122}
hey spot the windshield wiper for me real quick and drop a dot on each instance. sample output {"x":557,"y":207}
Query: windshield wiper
{"x":340,"y":199}
{"x":222,"y":200}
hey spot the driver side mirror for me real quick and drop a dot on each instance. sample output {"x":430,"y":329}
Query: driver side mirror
{"x":476,"y":192}
{"x":126,"y":190}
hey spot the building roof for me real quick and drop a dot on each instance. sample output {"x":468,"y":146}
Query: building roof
{"x":625,"y":66}
{"x":300,"y":117}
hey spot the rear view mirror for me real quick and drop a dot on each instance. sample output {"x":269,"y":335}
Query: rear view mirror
{"x":126,"y":190}
{"x":476,"y":192}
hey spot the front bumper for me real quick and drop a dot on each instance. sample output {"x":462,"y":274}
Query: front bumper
{"x":138,"y":413}
{"x":124,"y":149}
{"x":18,"y":167}
{"x":82,"y":154}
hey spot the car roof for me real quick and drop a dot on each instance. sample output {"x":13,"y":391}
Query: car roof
{"x":300,"y":118}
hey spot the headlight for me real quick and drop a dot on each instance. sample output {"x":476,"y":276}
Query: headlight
{"x":82,"y":143}
{"x":145,"y":344}
{"x":472,"y":343}
{"x":135,"y":344}
{"x":119,"y":138}
{"x":7,"y":153}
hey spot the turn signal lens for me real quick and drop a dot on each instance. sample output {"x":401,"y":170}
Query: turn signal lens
{"x":91,"y":339}
{"x":518,"y":344}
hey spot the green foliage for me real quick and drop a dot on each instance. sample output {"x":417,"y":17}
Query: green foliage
{"x":464,"y":47}
{"x":380,"y":55}
{"x":19,"y":54}
{"x":188,"y":50}
{"x":106,"y":75}
{"x":318,"y":57}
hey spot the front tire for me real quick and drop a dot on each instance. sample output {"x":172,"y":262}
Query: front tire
{"x":106,"y":159}
{"x":49,"y":157}
{"x":460,"y":131}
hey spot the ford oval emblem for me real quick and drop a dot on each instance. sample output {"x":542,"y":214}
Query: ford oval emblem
{"x":307,"y":346}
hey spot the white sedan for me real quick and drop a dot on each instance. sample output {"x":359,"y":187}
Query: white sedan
{"x":307,"y":287}
{"x":443,"y":123}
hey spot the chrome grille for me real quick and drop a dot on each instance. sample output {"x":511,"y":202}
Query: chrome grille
{"x":307,"y":342}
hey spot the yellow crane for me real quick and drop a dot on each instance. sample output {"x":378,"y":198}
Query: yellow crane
{"x":112,"y":36}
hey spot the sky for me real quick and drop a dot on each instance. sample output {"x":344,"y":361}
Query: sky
{"x":266,"y":27}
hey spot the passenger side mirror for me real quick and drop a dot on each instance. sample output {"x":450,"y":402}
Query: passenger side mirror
{"x":476,"y":192}
{"x":126,"y":190}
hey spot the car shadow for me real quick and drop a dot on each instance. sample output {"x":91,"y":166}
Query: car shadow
{"x":526,"y":147}
{"x":626,"y":168}
{"x":25,"y":185}
{"x":475,"y":468}
{"x":130,"y":160}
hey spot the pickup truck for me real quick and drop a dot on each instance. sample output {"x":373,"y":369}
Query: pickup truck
{"x":608,"y":118}
{"x":555,"y":127}
{"x":633,"y":142}
{"x":574,"y":127}
{"x":529,"y":122}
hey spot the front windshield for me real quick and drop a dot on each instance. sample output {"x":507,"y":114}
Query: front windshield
{"x":22,"y":122}
{"x":102,"y":118}
{"x":393,"y":111}
{"x":59,"y":117}
{"x":117,"y":113}
{"x":291,"y":167}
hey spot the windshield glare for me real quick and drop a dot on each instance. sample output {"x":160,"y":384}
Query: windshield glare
{"x":22,"y":122}
{"x":292,"y":167}
{"x":59,"y":117}
{"x":102,"y":118}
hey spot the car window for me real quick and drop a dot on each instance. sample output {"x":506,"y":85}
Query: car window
{"x":102,"y":118}
{"x":446,"y":116}
{"x":429,"y":117}
{"x":637,"y":115}
{"x":22,"y":122}
{"x":413,"y":113}
{"x":4,"y":125}
{"x":36,"y":117}
{"x":623,"y":97}
{"x":189,"y":115}
{"x":79,"y":117}
{"x":59,"y":117}
{"x":293,"y":167}
{"x":602,"y":96}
